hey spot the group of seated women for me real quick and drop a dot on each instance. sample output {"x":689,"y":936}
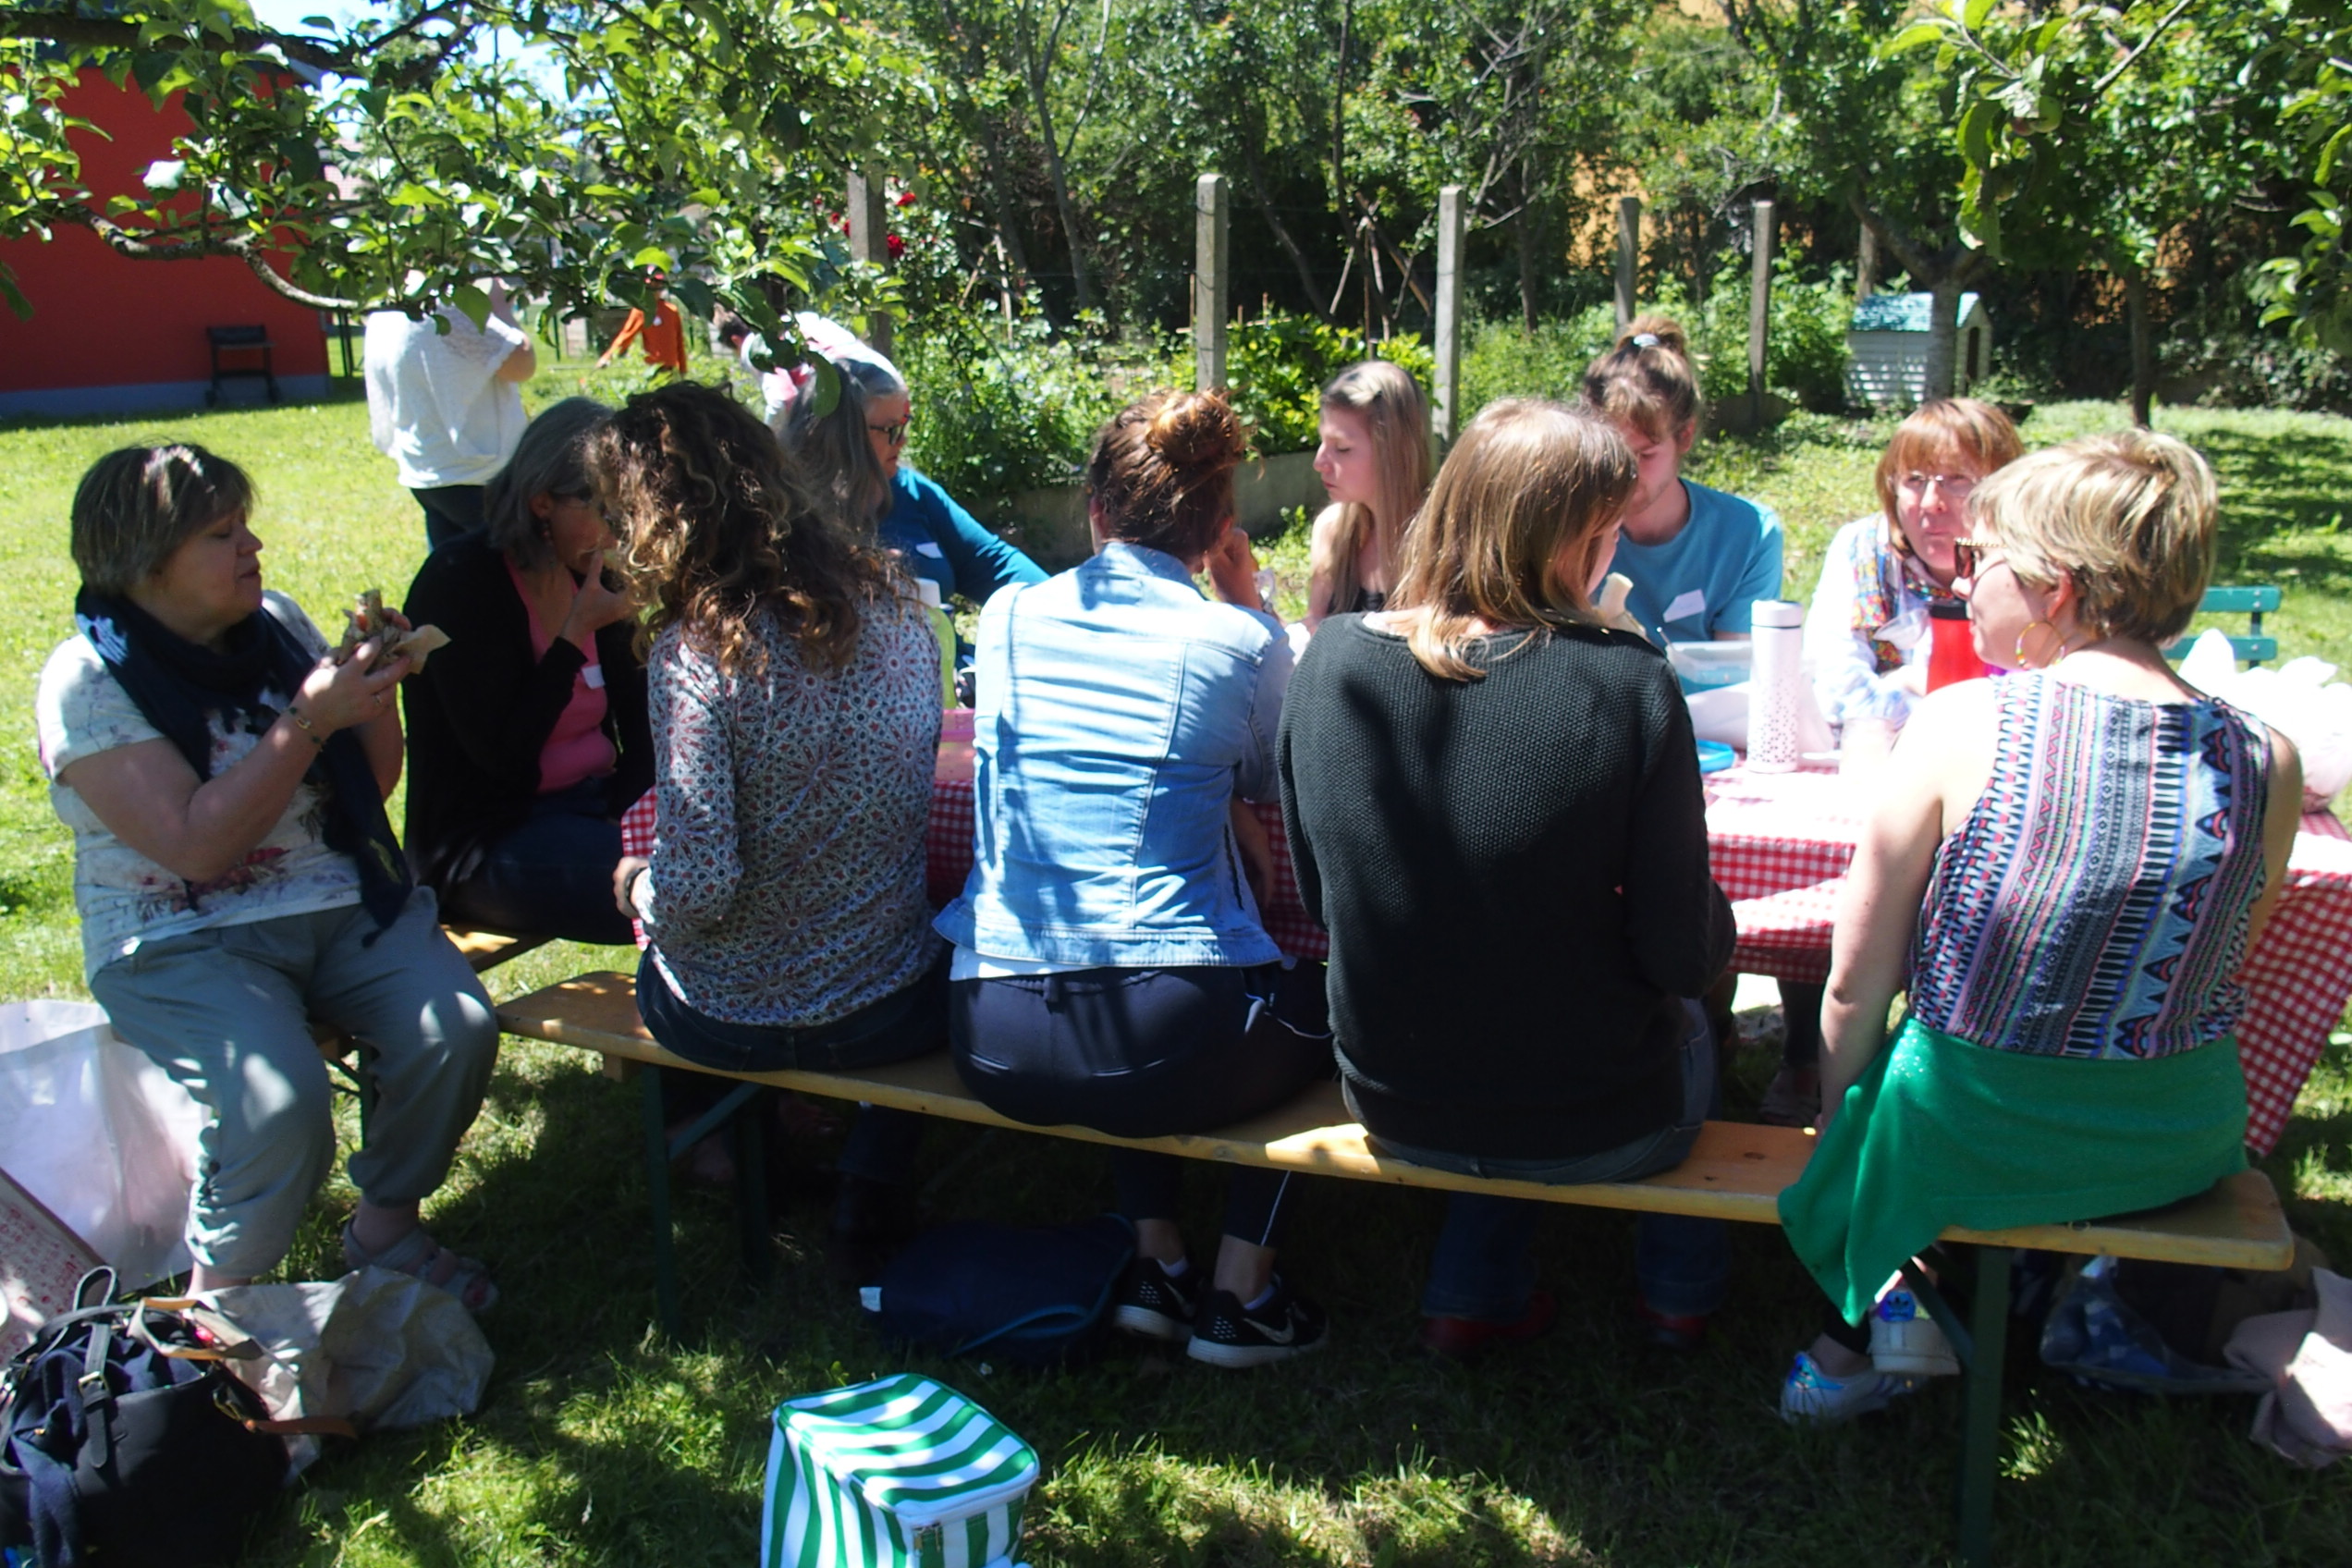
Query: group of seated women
{"x":1491,"y":801}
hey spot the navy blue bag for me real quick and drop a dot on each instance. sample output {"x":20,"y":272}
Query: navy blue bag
{"x":1034,"y":1297}
{"x":124,"y":1440}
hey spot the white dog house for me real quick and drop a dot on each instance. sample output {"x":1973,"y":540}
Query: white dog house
{"x":1886,"y":348}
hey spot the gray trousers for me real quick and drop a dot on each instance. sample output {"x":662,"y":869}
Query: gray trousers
{"x":223,"y":1011}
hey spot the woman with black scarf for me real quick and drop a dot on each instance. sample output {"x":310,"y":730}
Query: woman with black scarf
{"x":235,"y":873}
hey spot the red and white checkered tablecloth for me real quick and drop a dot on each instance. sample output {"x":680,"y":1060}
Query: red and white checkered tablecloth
{"x":1778,"y":845}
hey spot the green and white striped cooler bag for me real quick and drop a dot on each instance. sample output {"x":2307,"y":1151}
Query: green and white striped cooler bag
{"x":899,"y":1473}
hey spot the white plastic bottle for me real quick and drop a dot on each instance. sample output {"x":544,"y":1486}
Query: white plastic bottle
{"x":1777,"y":687}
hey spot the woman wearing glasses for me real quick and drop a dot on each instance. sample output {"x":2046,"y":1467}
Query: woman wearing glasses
{"x":1867,"y":640}
{"x":528,"y":734}
{"x":1865,"y":636}
{"x":855,"y":453}
{"x":2063,"y":870}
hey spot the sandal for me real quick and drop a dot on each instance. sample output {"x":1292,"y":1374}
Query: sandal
{"x":418,"y":1255}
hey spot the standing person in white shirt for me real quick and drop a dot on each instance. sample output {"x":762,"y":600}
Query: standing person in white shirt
{"x":444,"y":405}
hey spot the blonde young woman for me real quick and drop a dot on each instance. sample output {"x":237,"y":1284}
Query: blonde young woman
{"x":1520,"y":916}
{"x":1373,"y":457}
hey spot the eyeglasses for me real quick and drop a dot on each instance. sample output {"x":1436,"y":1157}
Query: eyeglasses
{"x":892,"y":434}
{"x":1968,"y":556}
{"x":583,"y":495}
{"x":1955,"y":486}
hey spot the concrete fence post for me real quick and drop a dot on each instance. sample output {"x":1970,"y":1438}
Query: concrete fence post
{"x":1628,"y":258}
{"x":1760,"y":313}
{"x":1212,"y":280}
{"x":869,"y":241}
{"x":1449,"y":313}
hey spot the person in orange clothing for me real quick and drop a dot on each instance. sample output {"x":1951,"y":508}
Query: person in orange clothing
{"x":665,"y":337}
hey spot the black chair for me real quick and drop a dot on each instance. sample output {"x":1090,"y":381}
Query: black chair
{"x":244,"y":344}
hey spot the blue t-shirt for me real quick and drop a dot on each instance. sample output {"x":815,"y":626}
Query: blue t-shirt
{"x":941,"y":541}
{"x":1704,"y":579}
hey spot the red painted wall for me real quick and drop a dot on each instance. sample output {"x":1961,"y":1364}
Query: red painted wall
{"x":103,"y":319}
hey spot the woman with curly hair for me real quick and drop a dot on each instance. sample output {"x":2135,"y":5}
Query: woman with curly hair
{"x":793,"y":683}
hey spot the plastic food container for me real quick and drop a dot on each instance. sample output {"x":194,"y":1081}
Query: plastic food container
{"x":1704,"y":666}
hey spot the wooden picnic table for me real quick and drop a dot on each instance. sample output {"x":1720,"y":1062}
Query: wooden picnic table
{"x":1778,"y":845}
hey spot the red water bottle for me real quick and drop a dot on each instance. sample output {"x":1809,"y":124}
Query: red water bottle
{"x":1951,"y":649}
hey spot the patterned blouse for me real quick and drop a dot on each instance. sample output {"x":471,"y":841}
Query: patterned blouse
{"x":787,"y":887}
{"x":2095,"y":902}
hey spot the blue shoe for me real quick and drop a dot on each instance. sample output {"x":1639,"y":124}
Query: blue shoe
{"x":1811,"y":1396}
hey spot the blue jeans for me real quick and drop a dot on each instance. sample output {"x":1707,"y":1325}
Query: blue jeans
{"x":551,"y":875}
{"x":1482,"y":1270}
{"x":883,"y":1142}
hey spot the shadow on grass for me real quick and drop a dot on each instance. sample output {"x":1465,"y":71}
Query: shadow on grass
{"x":600,"y":1442}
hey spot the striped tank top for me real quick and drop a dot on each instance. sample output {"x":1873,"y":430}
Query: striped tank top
{"x":2094,"y":902}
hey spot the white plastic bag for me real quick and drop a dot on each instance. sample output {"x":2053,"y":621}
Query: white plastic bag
{"x":99,"y":1134}
{"x":376,"y":1348}
{"x":2301,"y":699}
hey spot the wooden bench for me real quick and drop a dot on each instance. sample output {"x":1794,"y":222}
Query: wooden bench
{"x":1735,"y":1172}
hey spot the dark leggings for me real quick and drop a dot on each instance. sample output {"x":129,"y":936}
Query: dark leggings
{"x":1145,"y":1053}
{"x":1801,"y":1017}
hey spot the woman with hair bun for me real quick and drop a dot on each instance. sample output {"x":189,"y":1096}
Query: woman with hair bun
{"x":1699,"y":558}
{"x":1110,"y":968}
{"x":1373,"y":457}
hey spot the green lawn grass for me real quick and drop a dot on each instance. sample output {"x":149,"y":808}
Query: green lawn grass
{"x":601,"y":1443}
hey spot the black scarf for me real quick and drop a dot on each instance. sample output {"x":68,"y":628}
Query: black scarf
{"x":179,"y":686}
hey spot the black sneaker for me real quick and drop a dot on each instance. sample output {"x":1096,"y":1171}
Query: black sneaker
{"x":1154,"y":1304}
{"x":1225,"y":1333}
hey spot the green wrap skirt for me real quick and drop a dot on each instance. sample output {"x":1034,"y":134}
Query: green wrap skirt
{"x":1941,"y":1132}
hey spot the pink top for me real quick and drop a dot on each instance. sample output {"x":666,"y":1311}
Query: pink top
{"x":577,"y":747}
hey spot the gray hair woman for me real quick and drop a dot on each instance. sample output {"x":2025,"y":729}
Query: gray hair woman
{"x":529,"y":733}
{"x":854,"y":454}
{"x":223,"y":778}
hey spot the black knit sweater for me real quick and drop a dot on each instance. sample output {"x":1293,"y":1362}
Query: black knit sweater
{"x":1514,"y":872}
{"x":480,"y":715}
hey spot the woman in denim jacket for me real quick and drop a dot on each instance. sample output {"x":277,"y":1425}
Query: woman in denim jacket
{"x":1110,"y":968}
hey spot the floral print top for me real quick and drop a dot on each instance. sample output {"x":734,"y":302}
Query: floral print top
{"x":124,"y":898}
{"x":787,"y":887}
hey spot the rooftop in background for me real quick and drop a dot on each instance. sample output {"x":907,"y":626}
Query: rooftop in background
{"x":1901,"y":312}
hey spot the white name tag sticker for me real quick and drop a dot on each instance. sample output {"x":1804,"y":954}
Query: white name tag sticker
{"x":1686,"y":606}
{"x":929,"y":548}
{"x":592,"y":676}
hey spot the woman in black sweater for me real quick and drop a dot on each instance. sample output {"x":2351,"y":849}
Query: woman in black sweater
{"x":528,"y":734}
{"x":1494,"y":804}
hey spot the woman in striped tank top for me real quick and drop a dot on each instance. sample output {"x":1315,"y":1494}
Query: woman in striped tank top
{"x":2064,"y":871}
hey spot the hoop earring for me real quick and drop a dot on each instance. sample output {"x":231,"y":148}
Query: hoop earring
{"x":2023,"y":662}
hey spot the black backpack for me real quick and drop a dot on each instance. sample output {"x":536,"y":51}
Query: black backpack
{"x":124,"y":1438}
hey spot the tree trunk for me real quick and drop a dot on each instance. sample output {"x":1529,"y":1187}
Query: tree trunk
{"x":1082,"y":293}
{"x":1944,"y":332}
{"x":1866,"y":265}
{"x":1253,"y":170}
{"x":2143,"y":345}
{"x":1529,"y":231}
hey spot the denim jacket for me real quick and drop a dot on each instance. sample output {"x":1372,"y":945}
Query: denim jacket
{"x":1120,"y":713}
